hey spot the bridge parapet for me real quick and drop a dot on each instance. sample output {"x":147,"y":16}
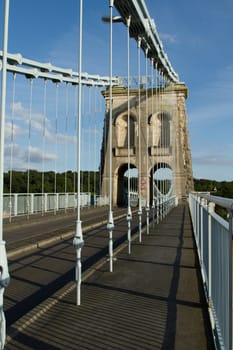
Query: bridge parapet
{"x":213,"y":237}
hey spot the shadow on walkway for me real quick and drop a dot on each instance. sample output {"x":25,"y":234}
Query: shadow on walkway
{"x":153,"y":300}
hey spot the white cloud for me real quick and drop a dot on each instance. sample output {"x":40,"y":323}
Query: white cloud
{"x":38,"y":156}
{"x":40,"y":125}
{"x":62,"y":138}
{"x":166,"y":37}
{"x":217,"y":160}
{"x":12,"y":150}
{"x":17,"y":108}
{"x":11,"y":131}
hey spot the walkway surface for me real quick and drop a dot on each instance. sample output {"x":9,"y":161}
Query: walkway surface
{"x":152,"y":300}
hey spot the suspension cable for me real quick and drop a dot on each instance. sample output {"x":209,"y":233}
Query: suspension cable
{"x":75,"y":148}
{"x":157,"y":142}
{"x":4,"y":274}
{"x":110,"y":224}
{"x":29,"y":148}
{"x":147,"y":157}
{"x":55,"y":160}
{"x":153,"y":141}
{"x":139,"y":141}
{"x":43,"y":147}
{"x":66,"y":143}
{"x":159,"y":148}
{"x":129,"y":212}
{"x":162,"y":143}
{"x":78,"y":238}
{"x":12,"y":144}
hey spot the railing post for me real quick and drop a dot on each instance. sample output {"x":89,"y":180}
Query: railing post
{"x":197,"y":223}
{"x":15,"y":204}
{"x":211,"y":207}
{"x":32,"y":203}
{"x":202,"y":203}
{"x":57,"y":201}
{"x":230,"y":276}
{"x":45,"y":202}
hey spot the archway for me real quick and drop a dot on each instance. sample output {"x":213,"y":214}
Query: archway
{"x":161,"y":181}
{"x":122,"y":185}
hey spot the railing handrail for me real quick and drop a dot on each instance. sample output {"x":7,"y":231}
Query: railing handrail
{"x":41,"y":194}
{"x":226,"y":203}
{"x":213,"y":237}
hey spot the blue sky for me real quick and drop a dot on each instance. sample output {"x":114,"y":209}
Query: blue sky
{"x":196,"y":37}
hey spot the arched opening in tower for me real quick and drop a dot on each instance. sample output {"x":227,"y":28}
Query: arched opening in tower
{"x":127,"y":180}
{"x":161,"y":181}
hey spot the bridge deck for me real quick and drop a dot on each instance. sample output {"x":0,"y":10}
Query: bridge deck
{"x":152,"y":300}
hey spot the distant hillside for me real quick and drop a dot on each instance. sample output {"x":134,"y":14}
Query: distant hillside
{"x":90,"y":180}
{"x":217,"y":188}
{"x":22,"y":181}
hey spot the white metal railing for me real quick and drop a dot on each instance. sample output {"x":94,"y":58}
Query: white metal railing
{"x":165,"y":204}
{"x":213,"y":237}
{"x":17,"y":204}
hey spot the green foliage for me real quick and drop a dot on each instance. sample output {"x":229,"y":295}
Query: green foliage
{"x":216,"y":188}
{"x":31,"y":181}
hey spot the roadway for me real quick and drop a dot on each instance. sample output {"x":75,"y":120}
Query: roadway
{"x":41,"y":256}
{"x":23,"y":233}
{"x":154,"y":299}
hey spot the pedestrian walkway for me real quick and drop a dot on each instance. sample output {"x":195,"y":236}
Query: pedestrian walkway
{"x":153,"y":300}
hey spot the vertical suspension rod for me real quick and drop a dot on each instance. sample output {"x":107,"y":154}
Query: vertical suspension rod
{"x":43,"y":148}
{"x":160,"y":147}
{"x":139,"y":143}
{"x":153,"y":140}
{"x":29,"y":151}
{"x":129,"y":212}
{"x":147,"y":160}
{"x":110,"y":224}
{"x":4,"y":274}
{"x":12,"y":145}
{"x":78,"y":238}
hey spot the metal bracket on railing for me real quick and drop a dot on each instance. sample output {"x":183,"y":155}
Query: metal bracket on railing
{"x":78,"y":243}
{"x":140,"y":222}
{"x":147,"y":219}
{"x":129,"y":219}
{"x":153,"y":212}
{"x":4,"y":281}
{"x":110,"y":227}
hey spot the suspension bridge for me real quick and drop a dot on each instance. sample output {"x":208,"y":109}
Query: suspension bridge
{"x":106,"y":245}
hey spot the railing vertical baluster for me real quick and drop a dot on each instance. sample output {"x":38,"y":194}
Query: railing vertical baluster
{"x":230,"y":275}
{"x":202,"y":204}
{"x":218,"y":278}
{"x":209,"y":287}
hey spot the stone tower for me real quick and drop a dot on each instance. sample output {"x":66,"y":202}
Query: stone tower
{"x":163,"y":128}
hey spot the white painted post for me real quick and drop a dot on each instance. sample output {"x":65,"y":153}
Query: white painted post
{"x":78,"y":241}
{"x":45,"y":202}
{"x":129,"y":212}
{"x":202,"y":203}
{"x":230,"y":276}
{"x":4,"y":273}
{"x":147,"y":158}
{"x":32,"y":203}
{"x":15,"y":204}
{"x":139,"y":145}
{"x":211,"y":207}
{"x":110,"y":224}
